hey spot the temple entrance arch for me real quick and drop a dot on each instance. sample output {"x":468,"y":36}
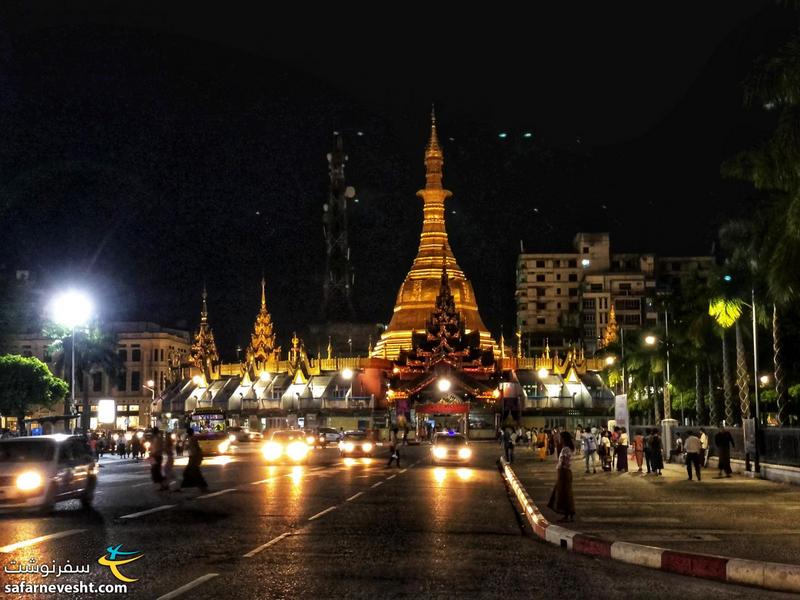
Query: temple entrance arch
{"x":443,"y":415}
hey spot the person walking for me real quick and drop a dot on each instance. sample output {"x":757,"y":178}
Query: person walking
{"x":656,"y":456}
{"x":694,"y":453}
{"x":605,"y":449}
{"x":156,"y":456}
{"x":590,"y":450}
{"x":192,"y":476}
{"x":622,"y":451}
{"x":638,"y":451}
{"x":562,"y":499}
{"x":168,"y":462}
{"x":394,"y":448}
{"x":508,"y":445}
{"x":541,"y":444}
{"x":723,"y":440}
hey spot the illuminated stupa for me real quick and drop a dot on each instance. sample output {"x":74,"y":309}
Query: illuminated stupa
{"x":417,"y":296}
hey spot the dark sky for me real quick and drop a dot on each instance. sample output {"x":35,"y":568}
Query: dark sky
{"x":145,"y":148}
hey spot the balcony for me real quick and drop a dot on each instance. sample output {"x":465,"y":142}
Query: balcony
{"x":354,"y":403}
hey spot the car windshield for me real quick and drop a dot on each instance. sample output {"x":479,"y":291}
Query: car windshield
{"x":26,"y":451}
{"x":287,"y":436}
{"x":450,"y":440}
{"x":357,"y":436}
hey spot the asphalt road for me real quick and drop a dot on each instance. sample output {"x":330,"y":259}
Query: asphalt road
{"x":325,"y":530}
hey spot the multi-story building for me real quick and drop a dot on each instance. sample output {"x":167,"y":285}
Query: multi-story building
{"x":565,"y":297}
{"x":145,"y":349}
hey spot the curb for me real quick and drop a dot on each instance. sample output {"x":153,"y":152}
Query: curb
{"x":772,"y":576}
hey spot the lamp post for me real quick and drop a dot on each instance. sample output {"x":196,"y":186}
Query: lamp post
{"x":151,"y":386}
{"x":347,"y":374}
{"x":71,"y":309}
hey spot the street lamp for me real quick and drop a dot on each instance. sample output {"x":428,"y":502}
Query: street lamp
{"x":347,"y":375}
{"x":151,"y":386}
{"x":71,"y":309}
{"x":444,"y":385}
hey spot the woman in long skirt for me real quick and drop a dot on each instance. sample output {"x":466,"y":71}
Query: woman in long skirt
{"x":656,"y":456}
{"x":622,"y":451}
{"x":638,"y":450}
{"x":562,"y":500}
{"x":541,"y":445}
{"x":168,"y":462}
{"x":192,"y":477}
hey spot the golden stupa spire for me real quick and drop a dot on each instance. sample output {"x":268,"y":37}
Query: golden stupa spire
{"x":262,"y":340}
{"x":434,"y":158}
{"x":204,"y":354}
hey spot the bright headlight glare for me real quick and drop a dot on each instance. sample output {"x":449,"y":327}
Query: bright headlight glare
{"x":464,"y":453}
{"x":29,"y":480}
{"x":310,"y":440}
{"x":271,"y":451}
{"x":223,"y":446}
{"x":297,"y":450}
{"x":439,"y":452}
{"x":348,"y":446}
{"x":231,"y":438}
{"x":366,"y":446}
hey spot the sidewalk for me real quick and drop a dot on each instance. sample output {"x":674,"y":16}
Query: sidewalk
{"x":738,"y":517}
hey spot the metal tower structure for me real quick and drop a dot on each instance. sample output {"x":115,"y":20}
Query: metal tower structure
{"x":337,"y":302}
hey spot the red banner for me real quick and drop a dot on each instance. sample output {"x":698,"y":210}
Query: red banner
{"x":441,"y":408}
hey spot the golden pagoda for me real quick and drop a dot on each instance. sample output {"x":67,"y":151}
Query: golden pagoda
{"x":610,"y":334}
{"x":204,"y":353}
{"x":417,"y":296}
{"x":262,"y":349}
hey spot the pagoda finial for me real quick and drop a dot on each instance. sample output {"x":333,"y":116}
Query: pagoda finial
{"x":434,"y":158}
{"x":204,"y":311}
{"x":263,"y":293}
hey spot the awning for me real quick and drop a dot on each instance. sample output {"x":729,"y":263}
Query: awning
{"x":441,"y":408}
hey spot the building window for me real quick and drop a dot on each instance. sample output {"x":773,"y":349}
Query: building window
{"x":596,"y":287}
{"x":573,"y":277}
{"x":540,"y":264}
{"x":625,"y":286}
{"x":121,"y":382}
{"x":588,"y":304}
{"x":540,"y":278}
{"x":573,"y":306}
{"x":97,"y":382}
{"x":136,"y":355}
{"x":540,"y":321}
{"x":586,"y":249}
{"x":558,"y":305}
{"x":573,"y":291}
{"x":588,"y":317}
{"x":277,"y":393}
{"x":155,"y":354}
{"x":136,"y":383}
{"x":162,"y":355}
{"x":573,"y":264}
{"x":558,"y":291}
{"x":541,"y":306}
{"x":123,"y":354}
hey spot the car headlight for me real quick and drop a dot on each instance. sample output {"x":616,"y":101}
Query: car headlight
{"x":29,"y":480}
{"x":439,"y":452}
{"x":366,"y":446}
{"x":297,"y":450}
{"x":348,"y":446}
{"x":464,"y":453}
{"x":310,"y":440}
{"x":272,"y":451}
{"x":231,"y":438}
{"x":223,"y":447}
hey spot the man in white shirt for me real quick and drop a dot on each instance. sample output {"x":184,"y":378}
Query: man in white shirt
{"x":694,"y":452}
{"x":704,"y":444}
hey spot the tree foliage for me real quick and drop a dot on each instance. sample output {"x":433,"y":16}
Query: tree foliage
{"x":25,"y":384}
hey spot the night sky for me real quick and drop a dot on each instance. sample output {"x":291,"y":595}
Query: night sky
{"x":145,"y":150}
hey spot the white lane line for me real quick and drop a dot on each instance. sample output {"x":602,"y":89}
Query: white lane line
{"x":255,"y":551}
{"x":391,"y":477}
{"x":143,"y":484}
{"x":404,"y":470}
{"x":149,"y":511}
{"x":317,"y":468}
{"x":354,"y":496}
{"x":319,"y":514}
{"x":219,"y":493}
{"x":188,"y":586}
{"x":38,"y":540}
{"x":377,"y":484}
{"x":260,"y":482}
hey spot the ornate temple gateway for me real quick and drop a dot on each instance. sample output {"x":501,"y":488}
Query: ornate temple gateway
{"x":436,"y":365}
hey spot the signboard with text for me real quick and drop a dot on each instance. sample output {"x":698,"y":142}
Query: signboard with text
{"x":621,"y":411}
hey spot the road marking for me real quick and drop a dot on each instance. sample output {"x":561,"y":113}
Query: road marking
{"x":391,"y":477}
{"x":631,"y":520}
{"x":404,"y":470}
{"x":255,"y":551}
{"x":354,"y":496}
{"x":188,"y":586}
{"x":149,"y":511}
{"x":319,"y":514}
{"x":317,"y":468}
{"x":143,"y":484}
{"x":377,"y":484}
{"x":262,"y":481}
{"x":219,"y":493}
{"x":39,"y":540}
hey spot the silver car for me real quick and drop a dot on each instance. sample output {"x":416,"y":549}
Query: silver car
{"x":37,"y":472}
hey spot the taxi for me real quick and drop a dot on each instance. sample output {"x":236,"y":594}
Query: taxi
{"x":213,"y":442}
{"x":38,"y":471}
{"x":287,"y":445}
{"x":355,"y":443}
{"x":450,"y":448}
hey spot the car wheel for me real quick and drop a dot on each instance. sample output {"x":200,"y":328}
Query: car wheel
{"x":88,"y":493}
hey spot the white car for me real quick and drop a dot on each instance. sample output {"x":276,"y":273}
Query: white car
{"x":37,"y":472}
{"x":328,"y":435}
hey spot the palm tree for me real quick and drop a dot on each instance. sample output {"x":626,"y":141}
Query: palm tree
{"x":726,"y":313}
{"x":95,"y":352}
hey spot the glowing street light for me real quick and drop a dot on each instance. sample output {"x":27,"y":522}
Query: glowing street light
{"x":347,"y":373}
{"x":197,"y":380}
{"x":151,"y":385}
{"x":610,"y":360}
{"x":264,"y":376}
{"x":444,"y":385}
{"x":72,"y":308}
{"x":764,"y":379}
{"x":650,"y":340}
{"x":543,"y":373}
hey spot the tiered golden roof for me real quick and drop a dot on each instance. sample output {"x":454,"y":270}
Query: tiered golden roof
{"x":610,"y":334}
{"x":262,"y":347}
{"x":417,"y":296}
{"x":204,"y":353}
